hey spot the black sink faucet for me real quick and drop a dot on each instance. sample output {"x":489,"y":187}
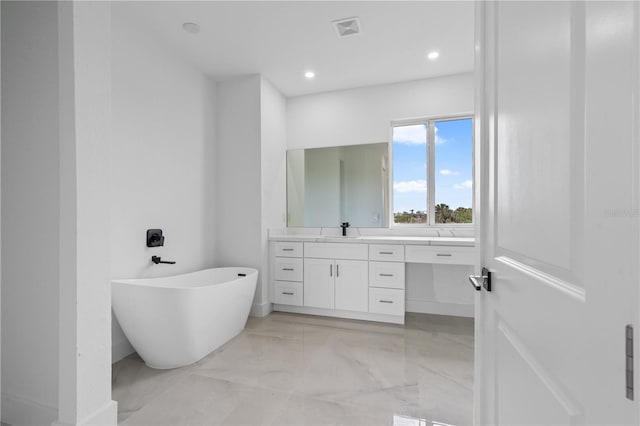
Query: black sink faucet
{"x":344,"y":227}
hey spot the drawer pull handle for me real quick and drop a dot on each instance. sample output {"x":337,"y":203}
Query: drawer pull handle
{"x":385,"y":301}
{"x":288,"y":293}
{"x":287,"y":269}
{"x":287,"y":249}
{"x":385,"y":252}
{"x":444,"y":254}
{"x":386,"y":275}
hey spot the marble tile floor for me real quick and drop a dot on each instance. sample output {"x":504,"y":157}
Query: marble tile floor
{"x":287,"y":369}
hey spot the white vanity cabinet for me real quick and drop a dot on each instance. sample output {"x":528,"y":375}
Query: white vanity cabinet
{"x":352,"y":285}
{"x":386,"y":279}
{"x":288,"y":273}
{"x":336,"y":277}
{"x":369,"y":280}
{"x":440,"y":255}
{"x":319,"y":283}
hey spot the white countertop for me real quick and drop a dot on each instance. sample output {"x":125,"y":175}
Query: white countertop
{"x":383,"y":239}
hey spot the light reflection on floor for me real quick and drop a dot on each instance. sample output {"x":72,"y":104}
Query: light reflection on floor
{"x":297,"y":370}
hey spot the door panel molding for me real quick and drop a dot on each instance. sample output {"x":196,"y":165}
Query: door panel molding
{"x":568,"y":275}
{"x":568,"y":403}
{"x":564,"y":287}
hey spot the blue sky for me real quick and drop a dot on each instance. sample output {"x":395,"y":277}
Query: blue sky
{"x":453,"y":165}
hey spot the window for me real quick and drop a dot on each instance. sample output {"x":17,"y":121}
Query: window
{"x":433,"y":171}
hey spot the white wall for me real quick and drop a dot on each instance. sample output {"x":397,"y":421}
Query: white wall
{"x":84,"y":372}
{"x":364,"y":115}
{"x":30,"y":212}
{"x":162,"y":160}
{"x":273,"y":127}
{"x":238,"y":175}
{"x":251,"y":172}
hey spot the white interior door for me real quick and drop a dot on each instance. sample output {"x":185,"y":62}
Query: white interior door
{"x":558,"y":199}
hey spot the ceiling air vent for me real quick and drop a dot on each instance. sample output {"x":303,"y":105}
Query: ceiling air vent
{"x":347,"y":26}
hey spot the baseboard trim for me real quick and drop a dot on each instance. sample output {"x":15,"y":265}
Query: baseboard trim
{"x":261,"y":310}
{"x":105,"y":416}
{"x":121,"y":350}
{"x":20,"y":411}
{"x":440,"y":308}
{"x":340,"y":314}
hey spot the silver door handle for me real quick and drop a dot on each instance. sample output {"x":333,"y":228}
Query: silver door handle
{"x":479,"y":281}
{"x":287,"y":269}
{"x":386,"y":252}
{"x":473,"y":279}
{"x":444,"y":254}
{"x":288,"y":293}
{"x":287,"y":249}
{"x":331,"y":270}
{"x":337,"y":270}
{"x":386,"y":275}
{"x":385,"y":301}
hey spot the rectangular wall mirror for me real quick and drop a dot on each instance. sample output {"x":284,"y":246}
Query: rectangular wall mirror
{"x":328,"y":186}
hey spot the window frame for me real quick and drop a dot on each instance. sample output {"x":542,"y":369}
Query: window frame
{"x":430,"y":174}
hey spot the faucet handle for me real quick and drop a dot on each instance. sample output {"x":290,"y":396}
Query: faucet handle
{"x":345,"y":224}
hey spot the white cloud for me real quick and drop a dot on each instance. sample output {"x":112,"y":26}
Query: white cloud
{"x":415,"y":135}
{"x":447,"y":172}
{"x":410,"y":135}
{"x":410,"y":186}
{"x":464,"y":185}
{"x":439,"y":140}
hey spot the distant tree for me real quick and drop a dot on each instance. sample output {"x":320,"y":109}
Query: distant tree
{"x":443,"y":214}
{"x":463,"y":215}
{"x":410,"y":217}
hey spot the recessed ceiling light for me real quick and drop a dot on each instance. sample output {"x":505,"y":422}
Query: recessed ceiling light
{"x":191,"y":27}
{"x":433,"y":55}
{"x":309,"y":74}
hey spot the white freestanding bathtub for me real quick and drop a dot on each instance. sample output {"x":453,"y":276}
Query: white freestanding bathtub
{"x":175,"y":321}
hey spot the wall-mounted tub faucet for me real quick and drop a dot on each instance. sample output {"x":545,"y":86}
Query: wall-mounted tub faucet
{"x":158,"y":259}
{"x":344,"y":227}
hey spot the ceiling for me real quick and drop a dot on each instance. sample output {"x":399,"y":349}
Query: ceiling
{"x":283,"y":39}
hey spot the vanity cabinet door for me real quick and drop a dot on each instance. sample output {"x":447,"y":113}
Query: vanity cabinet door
{"x":352,"y":285}
{"x":319,"y":284}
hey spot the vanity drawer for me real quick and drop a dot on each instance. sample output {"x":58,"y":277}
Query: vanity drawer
{"x":288,"y":269}
{"x":386,"y":274}
{"x":440,"y":254}
{"x":287,"y":249}
{"x":386,"y":301}
{"x":287,"y":293}
{"x":354,"y":251}
{"x":386,"y":252}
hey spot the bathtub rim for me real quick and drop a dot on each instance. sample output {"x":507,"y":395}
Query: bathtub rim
{"x":148,"y":282}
